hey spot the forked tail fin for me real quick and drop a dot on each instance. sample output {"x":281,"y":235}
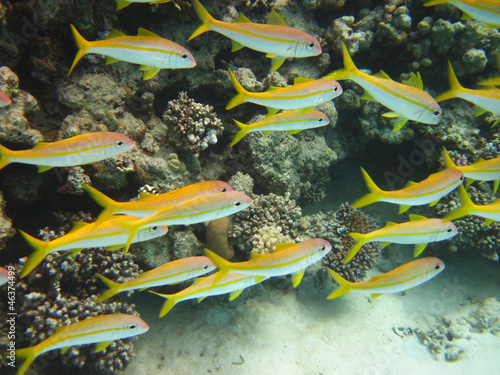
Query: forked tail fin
{"x":360,"y":241}
{"x":239,"y":98}
{"x":344,"y":285}
{"x":372,"y":197}
{"x":205,"y":17}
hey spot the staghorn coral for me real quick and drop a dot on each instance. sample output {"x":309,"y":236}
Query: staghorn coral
{"x":192,"y":126}
{"x":345,"y":220}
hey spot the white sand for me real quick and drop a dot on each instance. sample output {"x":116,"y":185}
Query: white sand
{"x":300,"y":332}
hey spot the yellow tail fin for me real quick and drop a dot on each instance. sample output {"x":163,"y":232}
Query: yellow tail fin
{"x":120,"y":4}
{"x":4,"y":156}
{"x":29,"y":355}
{"x":82,"y":45}
{"x":205,"y":17}
{"x":133,"y":227}
{"x":455,"y":86}
{"x":360,"y":241}
{"x":370,"y":198}
{"x":239,"y":98}
{"x":349,"y":67}
{"x":110,"y":206}
{"x":41,"y":251}
{"x":114,"y":288}
{"x":467,"y":208}
{"x":223,"y":265}
{"x":243,"y":131}
{"x":448,"y":162}
{"x":344,"y":285}
{"x":169,"y":303}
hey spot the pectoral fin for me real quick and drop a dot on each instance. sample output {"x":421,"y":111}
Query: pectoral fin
{"x":101,"y":346}
{"x":276,"y":62}
{"x":418,"y":249}
{"x":297,"y":278}
{"x":235,"y":294}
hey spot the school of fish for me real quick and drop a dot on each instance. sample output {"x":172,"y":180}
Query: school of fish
{"x":121,"y":224}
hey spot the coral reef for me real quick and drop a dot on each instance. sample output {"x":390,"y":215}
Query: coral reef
{"x":6,"y":230}
{"x":217,"y":240}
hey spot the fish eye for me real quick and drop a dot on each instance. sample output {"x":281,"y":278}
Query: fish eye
{"x":155,"y":227}
{"x":238,"y":203}
{"x":461,"y":177}
{"x":436,"y":113}
{"x":335,"y":88}
{"x":320,"y":119}
{"x":223,"y":190}
{"x":322,"y":248}
{"x":184,"y":56}
{"x":119,"y":143}
{"x":437,"y":267}
{"x":205,"y":266}
{"x":132,"y":326}
{"x":449,"y":230}
{"x":311,"y":45}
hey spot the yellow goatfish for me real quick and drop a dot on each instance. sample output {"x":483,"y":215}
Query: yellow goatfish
{"x":4,"y":100}
{"x":289,"y":258}
{"x":150,"y":203}
{"x":419,"y":231}
{"x":149,"y":50}
{"x":404,"y":277}
{"x":305,"y":94}
{"x":103,"y":330}
{"x":408,"y":100}
{"x":82,"y":149}
{"x":171,"y":273}
{"x":487,"y":100}
{"x":276,"y":38}
{"x":120,"y":4}
{"x":491,"y":212}
{"x":199,"y":210}
{"x":233,"y":283}
{"x":485,"y":11}
{"x":483,"y":170}
{"x":290,"y":121}
{"x":430,"y":190}
{"x":106,"y":234}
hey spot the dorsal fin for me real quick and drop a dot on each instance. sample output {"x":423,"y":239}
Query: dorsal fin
{"x":78,"y":225}
{"x":383,"y":75}
{"x":254,"y":255}
{"x":241,"y":19}
{"x":143,"y":195}
{"x":414,"y":217}
{"x":283,"y":246}
{"x":410,"y":184}
{"x":272,"y":88}
{"x":143,"y":32}
{"x":275,"y":19}
{"x":115,"y":34}
{"x":390,"y":223}
{"x":298,"y":80}
{"x":414,"y":81}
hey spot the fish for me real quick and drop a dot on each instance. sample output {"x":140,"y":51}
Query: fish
{"x":483,"y":170}
{"x":430,"y":190}
{"x":150,"y":203}
{"x":276,"y":39}
{"x":407,"y":276}
{"x":4,"y":276}
{"x":78,"y":150}
{"x":419,"y":231}
{"x":4,"y":100}
{"x":290,"y":121}
{"x":171,"y":273}
{"x":289,"y":258}
{"x":120,"y":4}
{"x":101,"y":330}
{"x":305,"y":94}
{"x":233,"y":283}
{"x":485,"y":11}
{"x":148,"y":49}
{"x":407,"y":100}
{"x":495,"y":81}
{"x":490,"y":212}
{"x":194,"y":211}
{"x":107,"y":234}
{"x":486,"y":100}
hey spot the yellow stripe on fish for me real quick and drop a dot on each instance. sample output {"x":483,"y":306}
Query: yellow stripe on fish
{"x":399,"y":279}
{"x":79,"y":150}
{"x":149,"y":50}
{"x":150,"y":203}
{"x":305,"y":94}
{"x":485,"y":11}
{"x":171,"y":273}
{"x":120,"y":4}
{"x":289,"y":258}
{"x":483,"y":170}
{"x":290,"y":121}
{"x":102,"y":329}
{"x":276,"y":39}
{"x":430,"y":190}
{"x":233,"y":283}
{"x":487,"y":100}
{"x":106,"y":234}
{"x":194,"y":211}
{"x":407,"y":100}
{"x":418,"y":231}
{"x":490,"y":212}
